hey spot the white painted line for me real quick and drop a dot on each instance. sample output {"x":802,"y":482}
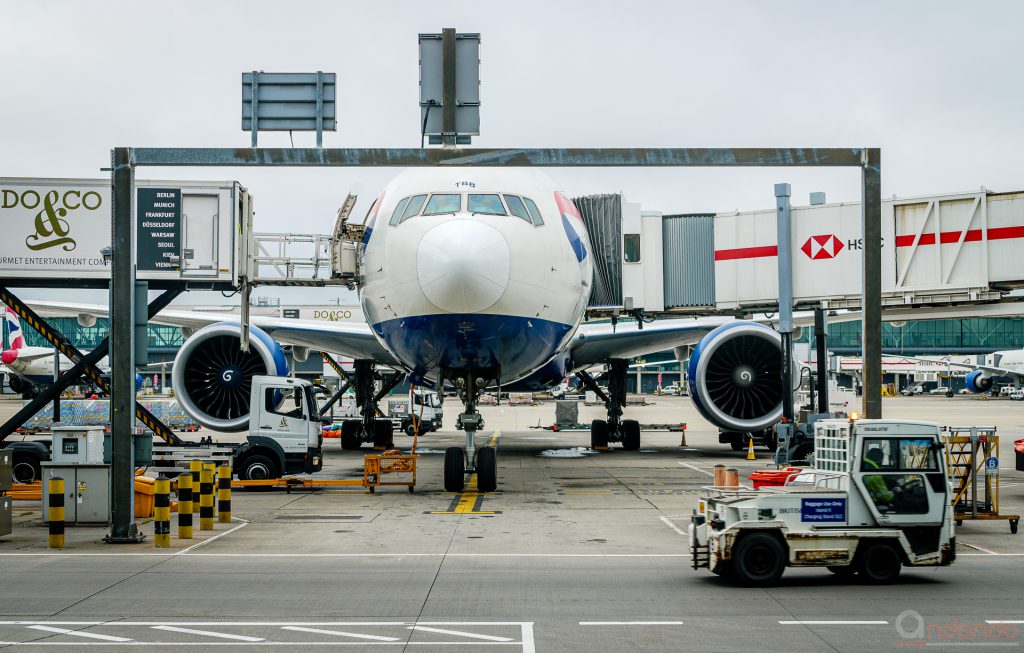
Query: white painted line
{"x":979,"y":548}
{"x":668,"y":522}
{"x":333,"y":643}
{"x":834,"y":622}
{"x":363,"y":555}
{"x":1004,"y":621}
{"x":631,"y":623}
{"x":77,"y":633}
{"x":208,"y":633}
{"x":527,"y":634}
{"x":442,"y":631}
{"x":702,"y":471}
{"x":340,"y":633}
{"x":215,"y":537}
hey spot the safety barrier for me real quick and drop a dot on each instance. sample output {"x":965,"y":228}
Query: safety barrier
{"x":224,"y":494}
{"x":206,"y":500}
{"x":195,"y":467}
{"x":55,"y":513}
{"x":162,"y":512}
{"x":185,"y":506}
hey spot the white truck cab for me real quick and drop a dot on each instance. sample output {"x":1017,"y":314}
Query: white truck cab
{"x":876,"y":499}
{"x":285,"y":434}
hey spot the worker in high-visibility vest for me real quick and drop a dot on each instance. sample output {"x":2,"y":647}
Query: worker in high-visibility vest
{"x":875,"y":483}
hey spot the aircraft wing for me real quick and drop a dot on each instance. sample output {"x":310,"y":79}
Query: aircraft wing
{"x":594,"y":344}
{"x":355,"y":340}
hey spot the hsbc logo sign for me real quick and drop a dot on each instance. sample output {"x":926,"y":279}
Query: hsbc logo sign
{"x":820,"y":247}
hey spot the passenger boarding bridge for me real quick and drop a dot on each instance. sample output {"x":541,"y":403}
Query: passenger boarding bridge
{"x":938,"y":250}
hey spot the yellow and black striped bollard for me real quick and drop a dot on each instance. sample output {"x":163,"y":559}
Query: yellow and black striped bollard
{"x":224,"y":494}
{"x":162,"y":512}
{"x":195,"y":467}
{"x":206,"y":500}
{"x":185,"y":506}
{"x":213,"y":474}
{"x":55,"y":513}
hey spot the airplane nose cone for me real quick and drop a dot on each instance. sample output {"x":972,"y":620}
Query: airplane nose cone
{"x":463,"y":266}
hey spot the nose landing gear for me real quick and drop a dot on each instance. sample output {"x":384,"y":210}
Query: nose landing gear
{"x":483,"y":461}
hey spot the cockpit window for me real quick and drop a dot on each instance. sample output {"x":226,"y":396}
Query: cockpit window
{"x":415,"y":204}
{"x":517,"y":208}
{"x":397,"y":215}
{"x":534,"y":211}
{"x":443,"y":203}
{"x":488,"y":204}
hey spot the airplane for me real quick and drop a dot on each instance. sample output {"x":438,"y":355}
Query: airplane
{"x":30,"y":367}
{"x":476,"y":278}
{"x":1008,"y":363}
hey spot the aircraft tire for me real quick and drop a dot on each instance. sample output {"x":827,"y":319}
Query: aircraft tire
{"x":487,"y":469}
{"x":351,"y":434}
{"x":383,"y":434}
{"x":454,"y":470}
{"x":599,"y":434}
{"x":630,"y":435}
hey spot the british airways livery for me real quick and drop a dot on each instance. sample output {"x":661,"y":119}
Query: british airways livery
{"x":475,"y":278}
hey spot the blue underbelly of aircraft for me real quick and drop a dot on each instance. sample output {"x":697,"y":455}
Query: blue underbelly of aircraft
{"x":515,"y":345}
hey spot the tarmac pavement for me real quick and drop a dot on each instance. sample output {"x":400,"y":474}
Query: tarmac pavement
{"x":576,"y":551}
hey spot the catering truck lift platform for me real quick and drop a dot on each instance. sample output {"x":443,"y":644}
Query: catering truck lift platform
{"x":876,"y":499}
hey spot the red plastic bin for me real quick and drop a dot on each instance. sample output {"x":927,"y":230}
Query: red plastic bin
{"x":774,"y":477}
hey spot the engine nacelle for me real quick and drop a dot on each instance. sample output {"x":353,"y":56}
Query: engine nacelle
{"x":212,"y":376}
{"x":978,"y":381}
{"x":735,"y":377}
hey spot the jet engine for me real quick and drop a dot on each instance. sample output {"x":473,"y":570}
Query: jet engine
{"x":212,"y":376}
{"x":735,"y":377}
{"x":978,"y":381}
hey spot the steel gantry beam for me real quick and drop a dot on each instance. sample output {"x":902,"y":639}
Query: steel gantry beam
{"x":868,"y":160}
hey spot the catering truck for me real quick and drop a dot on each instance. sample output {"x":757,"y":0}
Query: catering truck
{"x":876,"y":499}
{"x":284,"y":437}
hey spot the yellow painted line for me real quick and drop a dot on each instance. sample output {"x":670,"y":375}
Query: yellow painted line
{"x":468,"y":501}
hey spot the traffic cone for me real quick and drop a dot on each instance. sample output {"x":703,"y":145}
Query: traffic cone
{"x":750,"y":449}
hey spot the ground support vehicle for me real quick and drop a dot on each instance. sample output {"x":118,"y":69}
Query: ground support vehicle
{"x":972,"y":457}
{"x":284,"y":438}
{"x":879,"y":500}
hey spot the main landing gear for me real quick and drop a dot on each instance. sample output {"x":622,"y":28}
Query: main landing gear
{"x":614,"y":429}
{"x":381,"y":432}
{"x":457,"y":463}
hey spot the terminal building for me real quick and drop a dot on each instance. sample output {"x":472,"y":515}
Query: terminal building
{"x":931,"y":338}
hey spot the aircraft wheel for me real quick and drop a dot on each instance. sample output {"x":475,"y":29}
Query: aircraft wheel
{"x":630,"y":435}
{"x":454,"y":470}
{"x":383,"y":434}
{"x":487,"y":469}
{"x":599,"y":434}
{"x":880,"y":563}
{"x":738,"y":441}
{"x":759,"y":559}
{"x":351,"y":436}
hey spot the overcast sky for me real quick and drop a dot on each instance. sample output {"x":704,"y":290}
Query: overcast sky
{"x":936,"y":85}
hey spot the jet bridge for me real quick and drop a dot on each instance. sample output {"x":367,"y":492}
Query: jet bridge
{"x":936,"y":250}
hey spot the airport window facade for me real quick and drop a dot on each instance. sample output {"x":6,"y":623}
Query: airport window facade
{"x":161,"y":336}
{"x":966,"y":336}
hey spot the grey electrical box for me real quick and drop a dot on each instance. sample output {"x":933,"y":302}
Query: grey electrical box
{"x":6,"y":510}
{"x":462,"y":71}
{"x":86,"y":491}
{"x":77,"y":444}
